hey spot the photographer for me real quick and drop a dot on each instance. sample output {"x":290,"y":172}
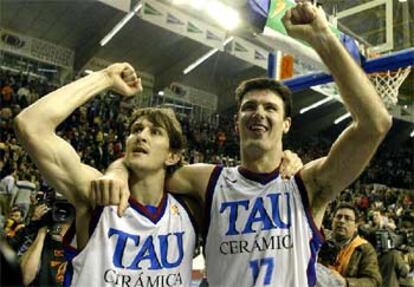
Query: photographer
{"x":393,"y":248}
{"x":351,"y":256}
{"x":26,"y":234}
{"x":43,"y":263}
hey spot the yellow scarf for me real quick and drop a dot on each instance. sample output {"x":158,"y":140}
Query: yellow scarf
{"x":345,"y":254}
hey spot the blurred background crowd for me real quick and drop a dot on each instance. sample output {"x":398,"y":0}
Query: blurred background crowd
{"x":383,"y":194}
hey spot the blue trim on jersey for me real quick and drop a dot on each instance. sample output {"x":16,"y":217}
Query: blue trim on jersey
{"x":70,"y":253}
{"x":67,"y":279}
{"x":314,"y":245}
{"x":262,"y":178}
{"x":68,"y":237}
{"x":308,"y":208}
{"x":151,"y":208}
{"x":154,"y":217}
{"x":317,"y":238}
{"x":190,"y":214}
{"x":209,"y":199}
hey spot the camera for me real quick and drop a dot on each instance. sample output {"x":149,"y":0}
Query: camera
{"x":44,"y":197}
{"x":60,"y":209}
{"x":328,"y":252}
{"x":386,"y":240}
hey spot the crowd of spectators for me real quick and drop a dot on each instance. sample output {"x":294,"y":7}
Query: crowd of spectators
{"x":97,"y":131}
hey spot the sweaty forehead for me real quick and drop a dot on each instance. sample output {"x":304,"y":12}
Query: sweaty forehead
{"x":146,"y":121}
{"x":142,"y":120}
{"x":262,"y":96}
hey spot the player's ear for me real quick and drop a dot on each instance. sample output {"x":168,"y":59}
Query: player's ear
{"x":173,"y":158}
{"x":286,"y":124}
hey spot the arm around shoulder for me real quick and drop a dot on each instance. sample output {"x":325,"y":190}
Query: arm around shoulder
{"x":191,"y":180}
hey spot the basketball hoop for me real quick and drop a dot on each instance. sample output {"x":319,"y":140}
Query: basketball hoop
{"x":387,"y":84}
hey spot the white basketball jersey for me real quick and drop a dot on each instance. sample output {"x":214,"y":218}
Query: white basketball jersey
{"x":138,"y":249}
{"x":260,"y":231}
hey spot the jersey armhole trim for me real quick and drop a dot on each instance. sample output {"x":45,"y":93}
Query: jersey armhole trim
{"x":308,"y":209}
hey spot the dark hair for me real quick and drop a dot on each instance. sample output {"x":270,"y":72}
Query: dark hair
{"x":16,"y":208}
{"x":276,"y":87}
{"x":166,"y":119}
{"x":346,"y":205}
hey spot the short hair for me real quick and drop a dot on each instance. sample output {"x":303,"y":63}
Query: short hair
{"x":346,"y":205}
{"x":274,"y":86}
{"x":166,"y":119}
{"x":17,"y":208}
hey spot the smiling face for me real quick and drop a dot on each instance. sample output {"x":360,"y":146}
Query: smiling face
{"x":261,"y":121}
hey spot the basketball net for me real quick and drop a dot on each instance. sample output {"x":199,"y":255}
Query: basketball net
{"x":388,"y":83}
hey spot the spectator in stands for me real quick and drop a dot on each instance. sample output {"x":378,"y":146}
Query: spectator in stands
{"x":380,"y":221}
{"x":7,"y":95}
{"x":7,"y":185}
{"x":43,"y":264}
{"x":356,"y":259}
{"x":24,"y":189}
{"x":14,"y":222}
{"x":393,"y":267}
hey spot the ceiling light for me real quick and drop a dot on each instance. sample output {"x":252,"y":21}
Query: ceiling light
{"x":315,"y":105}
{"x":121,"y":24}
{"x":224,"y":15}
{"x":341,"y":118}
{"x":200,"y":61}
{"x":203,"y":58}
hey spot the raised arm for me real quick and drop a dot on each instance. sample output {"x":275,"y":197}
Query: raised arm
{"x":351,"y":152}
{"x":56,"y":159}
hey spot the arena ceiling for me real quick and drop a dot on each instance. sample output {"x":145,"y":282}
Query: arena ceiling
{"x":80,"y":25}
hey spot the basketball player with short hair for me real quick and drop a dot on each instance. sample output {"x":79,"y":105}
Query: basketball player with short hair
{"x":261,"y":230}
{"x":155,"y":240}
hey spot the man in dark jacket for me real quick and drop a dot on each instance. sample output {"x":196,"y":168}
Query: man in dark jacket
{"x":393,"y":267}
{"x":356,"y":259}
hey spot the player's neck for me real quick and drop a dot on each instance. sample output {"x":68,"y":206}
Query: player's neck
{"x":261,"y":163}
{"x":148,"y":189}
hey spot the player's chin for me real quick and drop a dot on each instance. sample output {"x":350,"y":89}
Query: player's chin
{"x":133,"y":161}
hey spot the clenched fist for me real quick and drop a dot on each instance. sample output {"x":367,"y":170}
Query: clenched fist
{"x":306,"y":22}
{"x":123,"y":79}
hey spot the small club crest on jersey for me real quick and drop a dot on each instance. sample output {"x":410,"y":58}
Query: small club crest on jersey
{"x":174,"y":209}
